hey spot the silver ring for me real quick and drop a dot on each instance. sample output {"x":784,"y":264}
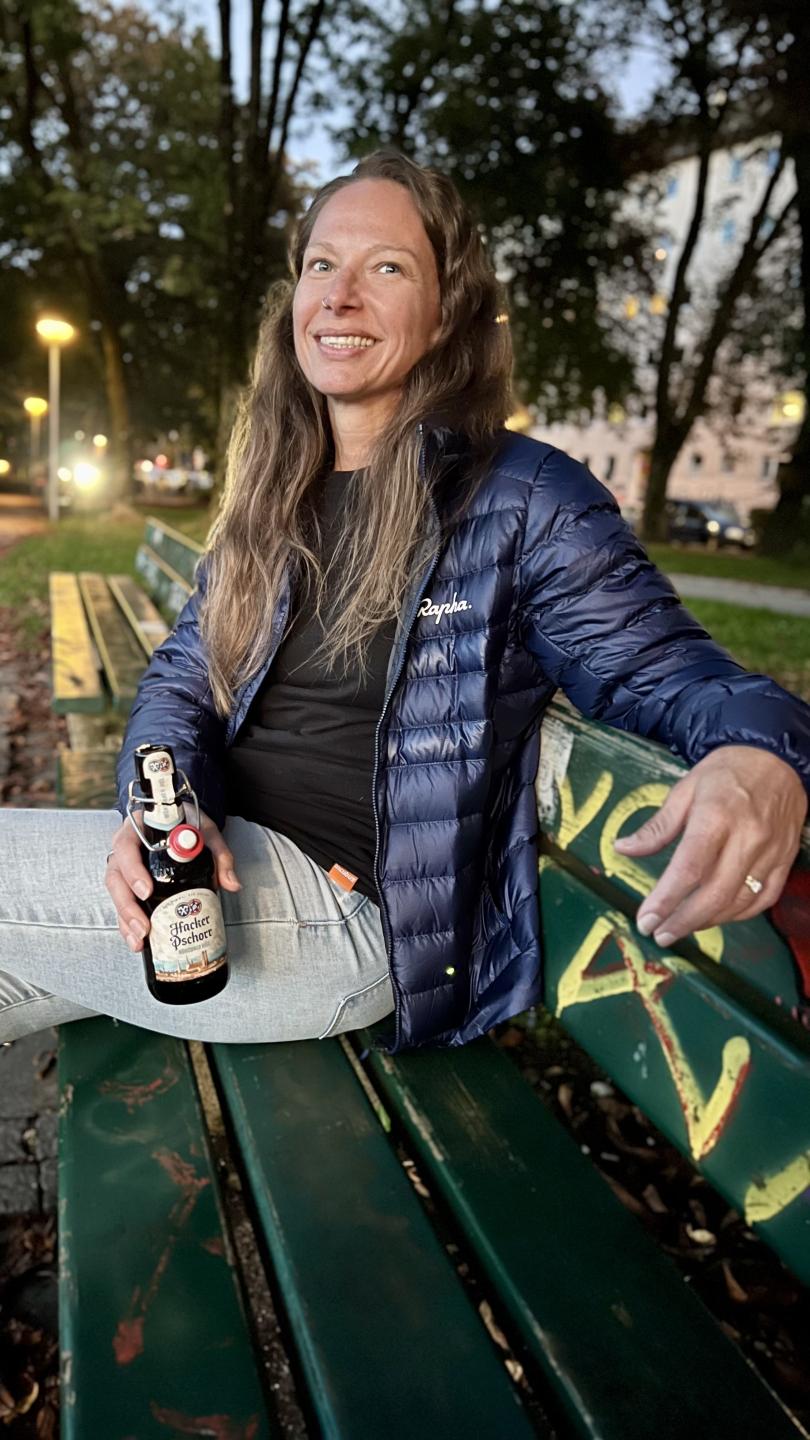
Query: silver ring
{"x":753,"y":884}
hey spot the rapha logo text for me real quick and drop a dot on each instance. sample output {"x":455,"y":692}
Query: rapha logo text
{"x":449,"y":608}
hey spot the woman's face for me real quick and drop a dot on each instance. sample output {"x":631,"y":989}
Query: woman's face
{"x":367,"y":304}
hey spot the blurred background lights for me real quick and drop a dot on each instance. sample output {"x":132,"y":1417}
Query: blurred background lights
{"x":86,"y":475}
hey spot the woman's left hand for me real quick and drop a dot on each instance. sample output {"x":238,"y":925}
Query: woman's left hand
{"x":741,"y":810}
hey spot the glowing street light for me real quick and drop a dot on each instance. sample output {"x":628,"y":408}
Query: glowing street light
{"x":35,"y":407}
{"x":55,"y":333}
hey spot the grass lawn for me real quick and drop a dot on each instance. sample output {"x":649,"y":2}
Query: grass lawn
{"x":759,"y":569}
{"x":779,"y":645}
{"x":776,"y":645}
{"x":83,"y":542}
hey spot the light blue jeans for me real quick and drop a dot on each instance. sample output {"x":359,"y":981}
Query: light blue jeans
{"x":307,"y":960}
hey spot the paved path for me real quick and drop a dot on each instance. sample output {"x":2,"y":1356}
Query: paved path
{"x":744,"y":592}
{"x":19,"y":516}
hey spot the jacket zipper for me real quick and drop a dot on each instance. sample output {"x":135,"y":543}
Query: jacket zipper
{"x":426,"y":574}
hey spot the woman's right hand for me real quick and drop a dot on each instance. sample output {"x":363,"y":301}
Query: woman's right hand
{"x":127,"y":877}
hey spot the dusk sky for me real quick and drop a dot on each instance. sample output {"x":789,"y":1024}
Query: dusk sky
{"x":632,"y":85}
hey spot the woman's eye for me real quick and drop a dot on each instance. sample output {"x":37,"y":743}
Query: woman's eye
{"x":389,"y":265}
{"x":316,"y":264}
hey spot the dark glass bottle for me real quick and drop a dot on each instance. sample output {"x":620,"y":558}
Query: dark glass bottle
{"x":185,"y":956}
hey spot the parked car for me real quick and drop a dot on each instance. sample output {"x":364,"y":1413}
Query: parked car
{"x":707,"y":523}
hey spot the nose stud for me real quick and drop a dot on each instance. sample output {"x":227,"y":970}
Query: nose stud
{"x":325,"y":302}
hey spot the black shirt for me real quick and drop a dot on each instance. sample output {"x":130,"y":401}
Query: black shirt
{"x":303,"y":761}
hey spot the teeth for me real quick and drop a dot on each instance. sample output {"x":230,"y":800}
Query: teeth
{"x":346,"y":342}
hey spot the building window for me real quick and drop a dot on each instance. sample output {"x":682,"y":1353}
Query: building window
{"x":727,"y":465}
{"x":672,"y":186}
{"x":695,"y":462}
{"x":769,"y":467}
{"x":729,"y":231}
{"x":610,"y":467}
{"x":735,"y":170}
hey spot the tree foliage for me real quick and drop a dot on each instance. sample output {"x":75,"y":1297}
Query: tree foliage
{"x":717,"y":64}
{"x":109,"y":199}
{"x":505,"y":100}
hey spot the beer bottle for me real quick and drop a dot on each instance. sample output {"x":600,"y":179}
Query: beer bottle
{"x":184,"y":955}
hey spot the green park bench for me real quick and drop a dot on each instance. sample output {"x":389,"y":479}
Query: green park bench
{"x":442,"y":1258}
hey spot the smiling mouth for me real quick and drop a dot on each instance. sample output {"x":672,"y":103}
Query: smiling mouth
{"x":341,"y":343}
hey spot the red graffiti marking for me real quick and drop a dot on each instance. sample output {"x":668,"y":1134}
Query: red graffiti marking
{"x":215,"y":1246}
{"x":791,"y":916}
{"x":219,"y":1427}
{"x":128,"y":1338}
{"x":134,"y":1095}
{"x":181,"y":1172}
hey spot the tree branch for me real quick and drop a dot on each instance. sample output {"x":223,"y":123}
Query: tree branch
{"x":274,"y":169}
{"x":278,"y":60}
{"x":750,"y":257}
{"x":227,"y":131}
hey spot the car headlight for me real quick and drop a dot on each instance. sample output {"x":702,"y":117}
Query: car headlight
{"x":713,"y":526}
{"x":734,"y":532}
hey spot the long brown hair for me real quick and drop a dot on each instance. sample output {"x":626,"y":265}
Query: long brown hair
{"x":281,"y":444}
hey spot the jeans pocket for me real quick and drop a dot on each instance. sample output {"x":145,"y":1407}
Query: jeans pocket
{"x":362,"y":1007}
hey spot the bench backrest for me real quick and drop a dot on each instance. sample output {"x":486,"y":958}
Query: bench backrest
{"x":710,"y":1038}
{"x":166,"y":562}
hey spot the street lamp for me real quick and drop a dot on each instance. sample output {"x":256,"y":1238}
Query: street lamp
{"x":35,"y":407}
{"x":55,"y":333}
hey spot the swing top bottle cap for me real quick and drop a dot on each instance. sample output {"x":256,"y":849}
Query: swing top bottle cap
{"x":184,"y":842}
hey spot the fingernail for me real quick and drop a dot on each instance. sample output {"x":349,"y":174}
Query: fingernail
{"x":625,"y":840}
{"x":664,"y":938}
{"x":132,"y":942}
{"x":648,"y":923}
{"x":137,"y":932}
{"x":141,"y":889}
{"x":231,"y":878}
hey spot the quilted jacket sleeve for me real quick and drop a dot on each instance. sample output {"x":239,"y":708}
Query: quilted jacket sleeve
{"x":174,"y":706}
{"x":609,"y":629}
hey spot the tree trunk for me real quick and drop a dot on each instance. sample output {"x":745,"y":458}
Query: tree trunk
{"x":786,"y":526}
{"x":664,"y":453}
{"x":120,"y":457}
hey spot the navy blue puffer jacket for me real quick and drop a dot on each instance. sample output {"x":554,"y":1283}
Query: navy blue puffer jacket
{"x":541,"y":585}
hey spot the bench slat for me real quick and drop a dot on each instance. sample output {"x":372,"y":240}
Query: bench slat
{"x":85,"y":779}
{"x":147,"y":623}
{"x":121,"y":654}
{"x":178,"y":550}
{"x":388,"y":1342}
{"x":153,"y":1335}
{"x":628,"y":1348}
{"x":163,"y":583}
{"x":722,"y":1082}
{"x":594,"y":783}
{"x":76,"y":680}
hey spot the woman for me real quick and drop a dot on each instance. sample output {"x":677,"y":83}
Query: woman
{"x":394,"y":588}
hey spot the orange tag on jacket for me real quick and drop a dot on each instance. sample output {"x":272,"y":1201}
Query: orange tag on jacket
{"x":342,"y":877}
